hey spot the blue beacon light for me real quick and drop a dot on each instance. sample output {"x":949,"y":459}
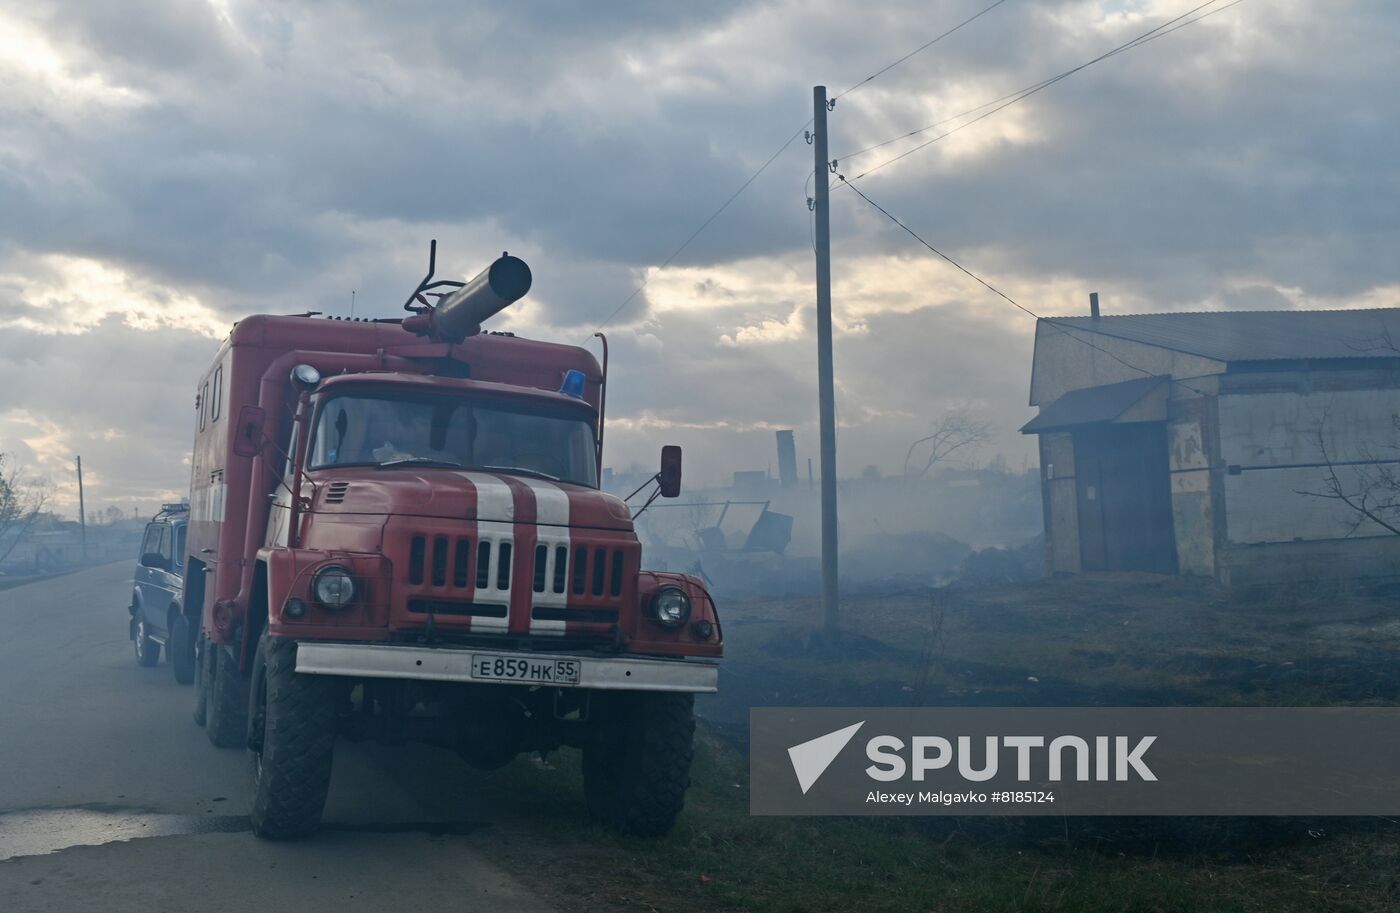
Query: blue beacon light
{"x":573,"y":384}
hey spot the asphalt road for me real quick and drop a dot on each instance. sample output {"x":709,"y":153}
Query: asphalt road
{"x":112,"y":799}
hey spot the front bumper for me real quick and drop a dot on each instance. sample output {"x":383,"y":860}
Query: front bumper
{"x":452,"y":664}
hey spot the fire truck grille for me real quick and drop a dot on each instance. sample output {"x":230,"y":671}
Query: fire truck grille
{"x":435,"y":560}
{"x":573,"y":589}
{"x":594,"y":572}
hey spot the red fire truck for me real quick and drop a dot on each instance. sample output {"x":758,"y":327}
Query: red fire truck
{"x":397,"y":533}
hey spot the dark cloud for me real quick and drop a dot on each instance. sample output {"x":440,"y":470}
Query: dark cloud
{"x":272,"y":158}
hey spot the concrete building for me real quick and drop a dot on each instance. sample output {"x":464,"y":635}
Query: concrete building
{"x":1187,"y":442}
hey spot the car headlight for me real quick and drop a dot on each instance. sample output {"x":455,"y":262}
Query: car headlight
{"x":333,"y":587}
{"x":671,"y":606}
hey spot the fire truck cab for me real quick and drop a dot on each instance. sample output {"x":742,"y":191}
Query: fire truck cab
{"x":396,"y":533}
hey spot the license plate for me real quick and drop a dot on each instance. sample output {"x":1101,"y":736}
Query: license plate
{"x":524,"y":669}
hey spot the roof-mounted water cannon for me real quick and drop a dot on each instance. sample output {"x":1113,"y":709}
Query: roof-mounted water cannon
{"x":460,"y":313}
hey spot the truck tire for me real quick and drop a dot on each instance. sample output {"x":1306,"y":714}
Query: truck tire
{"x":201,"y":681}
{"x":291,"y":731}
{"x":179,"y":646}
{"x":226,"y":720}
{"x":637,"y":767}
{"x":147,"y":650}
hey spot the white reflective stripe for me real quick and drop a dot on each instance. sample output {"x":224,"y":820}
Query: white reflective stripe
{"x":494,"y":534}
{"x":551,"y":502}
{"x":495,"y":525}
{"x":494,"y":500}
{"x":552,"y":538}
{"x":552,"y":515}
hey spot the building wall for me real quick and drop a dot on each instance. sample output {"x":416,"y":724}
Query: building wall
{"x":1194,"y":466}
{"x":1242,"y":446}
{"x":1065,"y":362}
{"x":1273,"y":458}
{"x":1061,"y":503}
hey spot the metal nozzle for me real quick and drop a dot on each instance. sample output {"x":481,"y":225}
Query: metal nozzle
{"x":461,"y":313}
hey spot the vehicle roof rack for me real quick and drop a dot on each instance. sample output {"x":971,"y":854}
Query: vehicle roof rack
{"x":167,"y":510}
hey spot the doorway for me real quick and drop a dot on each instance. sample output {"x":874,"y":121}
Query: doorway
{"x":1123,"y":486}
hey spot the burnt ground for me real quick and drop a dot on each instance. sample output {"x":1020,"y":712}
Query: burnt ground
{"x":1096,"y":640}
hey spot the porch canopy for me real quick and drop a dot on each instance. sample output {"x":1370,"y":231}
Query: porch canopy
{"x":1141,"y":400}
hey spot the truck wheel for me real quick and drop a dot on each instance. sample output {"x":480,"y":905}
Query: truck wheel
{"x":291,"y":730}
{"x":180,"y":647}
{"x":201,"y":681}
{"x":637,"y":768}
{"x":147,"y":650}
{"x":226,"y":721}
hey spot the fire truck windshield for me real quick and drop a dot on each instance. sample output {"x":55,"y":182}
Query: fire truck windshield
{"x":392,"y":430}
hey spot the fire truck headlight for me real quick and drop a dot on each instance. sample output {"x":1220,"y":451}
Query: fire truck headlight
{"x":333,"y":587}
{"x":671,"y":606}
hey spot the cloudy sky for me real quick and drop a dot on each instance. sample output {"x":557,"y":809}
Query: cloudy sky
{"x":168,"y":166}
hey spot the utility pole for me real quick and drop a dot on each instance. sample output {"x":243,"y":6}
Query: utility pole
{"x":826,"y":390}
{"x":82,"y":508}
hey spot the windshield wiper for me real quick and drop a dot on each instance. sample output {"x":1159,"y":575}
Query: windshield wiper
{"x":421,"y":461}
{"x":523,"y":470}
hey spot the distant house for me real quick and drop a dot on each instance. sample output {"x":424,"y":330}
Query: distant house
{"x":1187,"y":442}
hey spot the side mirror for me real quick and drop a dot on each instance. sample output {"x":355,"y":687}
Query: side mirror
{"x":248,"y":435}
{"x":670,"y":475}
{"x":155,"y":560}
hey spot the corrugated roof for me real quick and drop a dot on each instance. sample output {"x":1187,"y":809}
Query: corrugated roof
{"x":1238,"y":336}
{"x":1092,"y":404}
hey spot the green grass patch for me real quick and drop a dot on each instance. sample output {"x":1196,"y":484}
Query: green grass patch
{"x":720,"y":858}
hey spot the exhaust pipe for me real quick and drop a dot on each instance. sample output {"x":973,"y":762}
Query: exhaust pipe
{"x":461,"y":313}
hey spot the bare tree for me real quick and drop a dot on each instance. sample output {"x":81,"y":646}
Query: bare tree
{"x":957,"y":430}
{"x":1372,"y":487}
{"x":21,"y":502}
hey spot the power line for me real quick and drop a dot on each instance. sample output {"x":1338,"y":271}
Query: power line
{"x":913,"y":234}
{"x":1020,"y":95}
{"x":764,"y":167}
{"x":1006,"y":101}
{"x":703,"y":225}
{"x":996,"y":291}
{"x":921,"y":48}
